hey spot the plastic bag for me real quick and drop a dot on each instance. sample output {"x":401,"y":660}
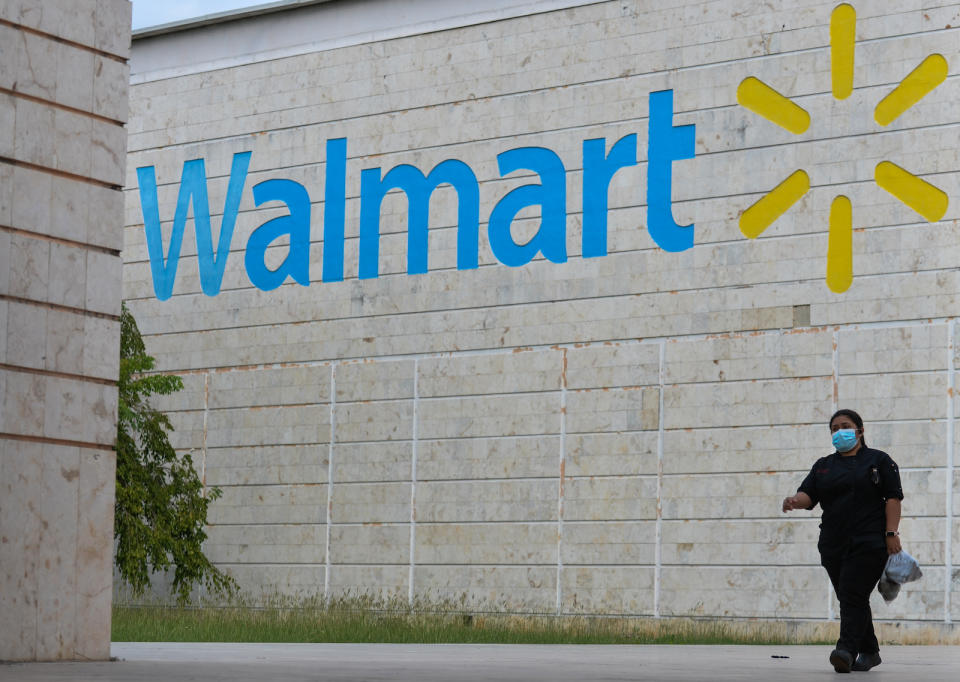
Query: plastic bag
{"x":901,"y":568}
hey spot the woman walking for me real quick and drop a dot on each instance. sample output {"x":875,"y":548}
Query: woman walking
{"x":859,"y":490}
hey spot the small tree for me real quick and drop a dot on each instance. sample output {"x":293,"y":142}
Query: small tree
{"x":161,"y":508}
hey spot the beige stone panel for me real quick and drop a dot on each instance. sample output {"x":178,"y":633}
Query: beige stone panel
{"x":924,"y":537}
{"x":386,"y":584}
{"x":256,"y":387}
{"x":611,"y":454}
{"x":264,"y":544}
{"x":513,"y":543}
{"x":95,"y":515}
{"x":21,"y":519}
{"x":517,"y":372}
{"x":610,"y":60}
{"x":753,"y":403}
{"x":57,"y":617}
{"x":767,"y":448}
{"x":65,"y":416}
{"x":257,"y":504}
{"x":741,"y":357}
{"x":112,"y":23}
{"x":370,"y":544}
{"x":614,"y":590}
{"x":70,"y":19}
{"x":72,"y":134}
{"x":910,"y":444}
{"x":613,"y":410}
{"x":191,"y":397}
{"x":8,"y":113}
{"x":109,"y":97}
{"x":610,"y":498}
{"x":895,"y":396}
{"x":384,"y":380}
{"x":4,"y":238}
{"x":506,"y":415}
{"x":100,"y":409}
{"x":65,"y":343}
{"x":270,"y":582}
{"x":924,"y":492}
{"x":23,"y":403}
{"x":370,"y":503}
{"x":34,"y":143}
{"x":101,"y":339}
{"x":787,"y":541}
{"x":384,"y":461}
{"x":103,"y":291}
{"x":4,"y":307}
{"x":729,"y":496}
{"x":29,"y":267}
{"x":479,"y":458}
{"x":790,"y":592}
{"x":613,"y":364}
{"x":34,"y":69}
{"x":279,"y":464}
{"x":288,"y":425}
{"x":99,"y":217}
{"x":374,"y":421}
{"x":466,"y":501}
{"x":68,"y":274}
{"x":26,"y":335}
{"x":187,"y":432}
{"x":496,"y":588}
{"x":899,"y":349}
{"x":586,"y":543}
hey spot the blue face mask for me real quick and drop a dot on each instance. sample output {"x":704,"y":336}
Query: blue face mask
{"x":844,"y":440}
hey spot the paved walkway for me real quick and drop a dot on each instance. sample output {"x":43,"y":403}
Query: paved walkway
{"x":173,"y":662}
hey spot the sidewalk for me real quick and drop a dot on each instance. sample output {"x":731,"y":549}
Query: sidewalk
{"x":176,"y":662}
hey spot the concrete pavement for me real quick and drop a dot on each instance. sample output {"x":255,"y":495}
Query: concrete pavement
{"x":176,"y":662}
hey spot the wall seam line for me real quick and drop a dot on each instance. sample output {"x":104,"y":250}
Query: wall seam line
{"x":561,"y":480}
{"x":948,"y":539}
{"x":413,"y":482}
{"x":834,"y":406}
{"x":658,"y":546}
{"x":330,"y":453}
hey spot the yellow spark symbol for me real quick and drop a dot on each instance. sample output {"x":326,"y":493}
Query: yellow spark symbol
{"x":924,"y":198}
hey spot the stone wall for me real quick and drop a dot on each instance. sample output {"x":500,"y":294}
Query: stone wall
{"x":63,"y":104}
{"x":607,"y":435}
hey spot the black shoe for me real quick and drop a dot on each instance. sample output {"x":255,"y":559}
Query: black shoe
{"x":841,"y":660}
{"x":866,"y":661}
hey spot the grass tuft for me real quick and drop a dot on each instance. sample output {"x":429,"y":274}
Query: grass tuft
{"x":368,"y":619}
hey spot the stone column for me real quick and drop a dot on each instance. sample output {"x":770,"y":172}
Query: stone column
{"x":63,"y":105}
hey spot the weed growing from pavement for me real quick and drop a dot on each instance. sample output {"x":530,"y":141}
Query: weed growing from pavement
{"x":362,"y":618}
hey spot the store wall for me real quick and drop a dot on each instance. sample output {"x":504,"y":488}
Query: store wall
{"x":610,"y":434}
{"x":63,"y":104}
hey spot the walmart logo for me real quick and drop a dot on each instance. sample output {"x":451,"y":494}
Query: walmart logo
{"x":924,"y":198}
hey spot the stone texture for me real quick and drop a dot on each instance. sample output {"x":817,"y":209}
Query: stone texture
{"x":611,"y":434}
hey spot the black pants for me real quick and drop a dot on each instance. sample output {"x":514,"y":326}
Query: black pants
{"x":854,"y":576}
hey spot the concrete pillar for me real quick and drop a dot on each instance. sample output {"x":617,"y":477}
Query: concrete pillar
{"x":63,"y":105}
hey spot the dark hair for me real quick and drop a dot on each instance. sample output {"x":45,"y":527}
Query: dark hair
{"x":856,"y":418}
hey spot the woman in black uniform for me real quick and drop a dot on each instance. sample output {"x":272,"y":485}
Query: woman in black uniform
{"x":859,"y":490}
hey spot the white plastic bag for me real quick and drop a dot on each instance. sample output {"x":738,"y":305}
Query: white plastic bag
{"x":901,"y":568}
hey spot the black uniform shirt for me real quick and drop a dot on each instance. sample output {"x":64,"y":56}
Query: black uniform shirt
{"x":852,"y":491}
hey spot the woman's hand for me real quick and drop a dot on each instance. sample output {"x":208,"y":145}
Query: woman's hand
{"x":893,"y":544}
{"x":798,"y":501}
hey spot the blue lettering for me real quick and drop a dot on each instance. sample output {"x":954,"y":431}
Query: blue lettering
{"x":334,"y":208}
{"x":296,"y":224}
{"x":193,"y":189}
{"x":551,"y":195}
{"x":598,"y":171}
{"x":418,"y":189}
{"x":667,"y":143}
